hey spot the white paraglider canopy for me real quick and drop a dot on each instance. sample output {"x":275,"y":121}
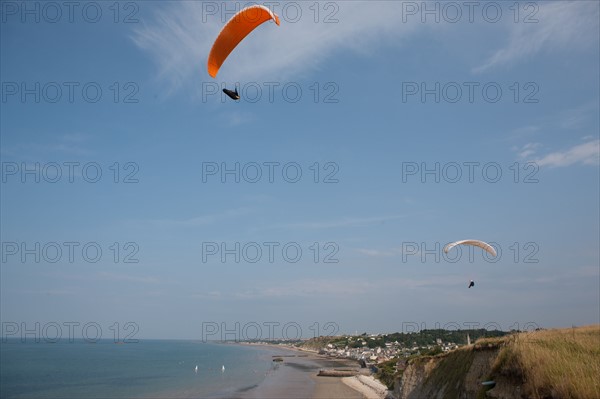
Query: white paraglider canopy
{"x":483,"y":245}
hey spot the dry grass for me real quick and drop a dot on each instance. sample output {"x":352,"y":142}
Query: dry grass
{"x":492,"y":343}
{"x":554,"y":363}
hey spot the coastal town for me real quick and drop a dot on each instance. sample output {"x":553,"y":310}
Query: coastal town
{"x":372,"y":349}
{"x":379,"y":354}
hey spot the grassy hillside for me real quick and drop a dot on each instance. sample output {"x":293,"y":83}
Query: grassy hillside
{"x":553,"y":363}
{"x":541,"y":364}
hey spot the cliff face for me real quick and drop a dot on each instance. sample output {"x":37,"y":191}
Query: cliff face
{"x":412,"y":383}
{"x":457,"y":374}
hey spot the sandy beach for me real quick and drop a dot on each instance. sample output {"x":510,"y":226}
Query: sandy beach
{"x":367,"y":385}
{"x":296,"y":377}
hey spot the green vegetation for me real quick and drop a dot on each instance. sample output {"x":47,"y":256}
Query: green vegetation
{"x":436,"y":350}
{"x":386,"y":372}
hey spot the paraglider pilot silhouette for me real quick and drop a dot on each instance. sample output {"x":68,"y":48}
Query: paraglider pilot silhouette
{"x":234,"y":31}
{"x":234,"y":95}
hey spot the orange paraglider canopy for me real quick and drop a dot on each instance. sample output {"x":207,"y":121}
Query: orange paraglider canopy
{"x":234,"y":31}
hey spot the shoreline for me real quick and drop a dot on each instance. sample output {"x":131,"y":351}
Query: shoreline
{"x":296,"y":377}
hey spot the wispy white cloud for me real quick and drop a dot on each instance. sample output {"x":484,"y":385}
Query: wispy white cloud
{"x":578,"y":117}
{"x":66,"y":144}
{"x":560,"y":25}
{"x":261,"y":199}
{"x":203,"y":220}
{"x":376,"y":253}
{"x":47,"y":292}
{"x":573,"y":275}
{"x":339,"y":288}
{"x":238,"y":118}
{"x":587,"y":153}
{"x":342,"y":222}
{"x":526,"y":130}
{"x":307,"y":288}
{"x":527,"y":150}
{"x":208,"y":295}
{"x":573,"y":120}
{"x":128,"y":278}
{"x":71,"y":143}
{"x":180,"y":36}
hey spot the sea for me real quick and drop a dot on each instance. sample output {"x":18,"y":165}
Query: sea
{"x":145,"y":369}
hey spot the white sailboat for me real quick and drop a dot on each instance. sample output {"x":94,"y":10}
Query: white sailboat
{"x":223,"y":369}
{"x":196,"y":369}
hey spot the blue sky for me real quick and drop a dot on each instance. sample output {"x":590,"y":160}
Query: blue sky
{"x":101,"y":89}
